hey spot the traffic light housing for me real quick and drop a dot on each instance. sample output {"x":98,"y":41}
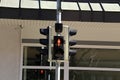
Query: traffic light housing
{"x":72,"y":42}
{"x":58,"y":48}
{"x":42,"y":74}
{"x":46,"y":41}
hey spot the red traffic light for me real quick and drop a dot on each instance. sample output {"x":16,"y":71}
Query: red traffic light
{"x":41,"y":71}
{"x":58,"y":47}
{"x":58,"y":41}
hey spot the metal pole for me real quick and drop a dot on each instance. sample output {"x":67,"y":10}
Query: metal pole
{"x":49,"y":76}
{"x":58,"y":16}
{"x":49,"y":44}
{"x":66,"y":54}
{"x":66,"y":46}
{"x":57,"y":72}
{"x":66,"y":70}
{"x":58,"y":11}
{"x":49,"y":49}
{"x":25,"y":63}
{"x":50,"y":64}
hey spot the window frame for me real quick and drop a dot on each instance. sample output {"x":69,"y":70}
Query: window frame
{"x":66,"y":64}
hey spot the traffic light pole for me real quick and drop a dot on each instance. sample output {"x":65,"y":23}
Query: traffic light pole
{"x":58,"y":16}
{"x":57,"y":72}
{"x":58,"y":11}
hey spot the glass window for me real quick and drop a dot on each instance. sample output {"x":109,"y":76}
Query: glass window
{"x":40,"y":74}
{"x":33,"y":60}
{"x":94,"y":75}
{"x":88,"y":57}
{"x":32,"y":56}
{"x":35,"y":65}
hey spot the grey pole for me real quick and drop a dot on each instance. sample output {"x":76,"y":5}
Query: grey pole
{"x":57,"y":72}
{"x":58,"y":11}
{"x":50,"y":44}
{"x":58,"y":16}
{"x":66,"y":54}
{"x":49,"y":49}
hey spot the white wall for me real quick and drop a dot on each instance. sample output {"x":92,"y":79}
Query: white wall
{"x":9,"y":52}
{"x":86,"y":31}
{"x":10,"y":39}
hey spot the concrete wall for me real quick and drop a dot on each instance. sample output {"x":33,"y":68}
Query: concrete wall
{"x":86,"y":31}
{"x":11,"y":33}
{"x":9,"y":52}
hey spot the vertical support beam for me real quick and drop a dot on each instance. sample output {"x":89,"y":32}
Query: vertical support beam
{"x":21,"y":55}
{"x":25,"y":62}
{"x":57,"y":72}
{"x":66,"y":46}
{"x":49,"y":49}
{"x":66,"y":70}
{"x":50,"y":44}
{"x":21,"y":63}
{"x":58,"y":16}
{"x":66,"y":54}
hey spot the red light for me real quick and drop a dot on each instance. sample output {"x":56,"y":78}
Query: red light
{"x":41,"y":71}
{"x":58,"y":42}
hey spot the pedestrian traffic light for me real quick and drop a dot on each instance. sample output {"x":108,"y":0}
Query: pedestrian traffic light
{"x":47,"y":32}
{"x":41,"y":74}
{"x":58,"y":48}
{"x":72,"y":42}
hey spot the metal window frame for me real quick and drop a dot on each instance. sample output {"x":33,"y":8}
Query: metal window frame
{"x":64,"y":68}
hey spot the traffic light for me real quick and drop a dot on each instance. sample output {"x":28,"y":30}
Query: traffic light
{"x":47,"y":32}
{"x":42,"y":74}
{"x":72,"y":42}
{"x":58,"y":48}
{"x":68,"y":42}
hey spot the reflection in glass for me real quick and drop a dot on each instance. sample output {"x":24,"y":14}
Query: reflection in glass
{"x":40,"y":74}
{"x":32,"y":56}
{"x":87,"y":57}
{"x":94,"y":75}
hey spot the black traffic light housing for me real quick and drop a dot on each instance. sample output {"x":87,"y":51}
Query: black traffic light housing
{"x":72,"y":42}
{"x":44,"y":31}
{"x":58,"y":49}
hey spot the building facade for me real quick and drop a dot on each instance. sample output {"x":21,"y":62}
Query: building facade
{"x":98,"y":42}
